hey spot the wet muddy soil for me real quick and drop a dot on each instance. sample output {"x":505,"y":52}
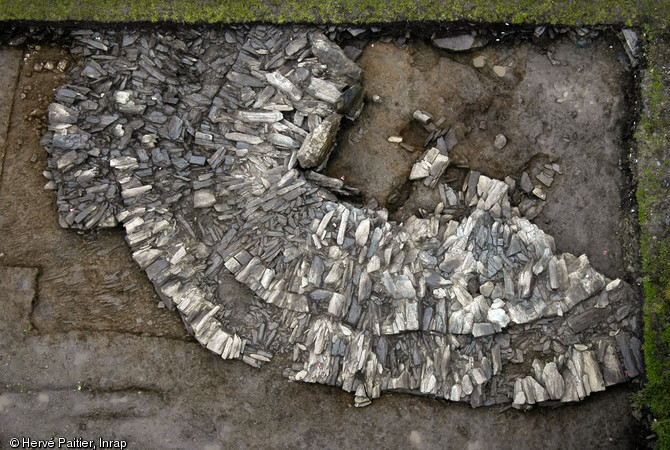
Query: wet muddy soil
{"x":99,"y":359}
{"x":104,"y":291}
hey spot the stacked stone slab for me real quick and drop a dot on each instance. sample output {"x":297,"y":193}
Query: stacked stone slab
{"x":192,"y":142}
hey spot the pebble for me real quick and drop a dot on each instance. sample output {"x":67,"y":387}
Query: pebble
{"x":501,"y":71}
{"x":479,"y":61}
{"x":500,"y":141}
{"x":539,"y":193}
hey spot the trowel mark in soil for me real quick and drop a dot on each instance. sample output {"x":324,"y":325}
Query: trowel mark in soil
{"x":553,"y":101}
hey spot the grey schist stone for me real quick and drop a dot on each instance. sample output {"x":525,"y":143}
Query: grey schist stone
{"x":526,"y":183}
{"x":343,"y":68}
{"x":500,"y":141}
{"x":201,"y":145}
{"x":318,"y":144}
{"x":203,"y":199}
{"x":459,"y":43}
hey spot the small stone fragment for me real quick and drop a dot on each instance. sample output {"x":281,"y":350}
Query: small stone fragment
{"x":500,"y":71}
{"x":500,"y":141}
{"x":539,"y":193}
{"x":526,"y":184}
{"x":422,"y":117}
{"x":203,"y":199}
{"x":479,"y":61}
{"x":545,"y":179}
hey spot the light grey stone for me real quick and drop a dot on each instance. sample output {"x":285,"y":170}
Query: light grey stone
{"x":323,"y":90}
{"x":203,"y":198}
{"x":317,"y":145}
{"x":459,"y":43}
{"x":498,"y":316}
{"x":241,"y":137}
{"x":362,"y":232}
{"x":259,"y":116}
{"x":524,"y":284}
{"x":404,"y":288}
{"x":526,"y":184}
{"x":282,"y":83}
{"x":483,"y":329}
{"x":466,"y":383}
{"x":592,"y":372}
{"x":500,"y":141}
{"x":420,"y":170}
{"x":422,"y":117}
{"x":61,"y":114}
{"x":539,"y":193}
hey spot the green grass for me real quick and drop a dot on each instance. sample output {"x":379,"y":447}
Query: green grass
{"x":653,"y":141}
{"x":568,"y":12}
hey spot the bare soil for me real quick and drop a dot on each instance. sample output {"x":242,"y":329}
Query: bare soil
{"x":568,"y":107}
{"x":88,"y":353}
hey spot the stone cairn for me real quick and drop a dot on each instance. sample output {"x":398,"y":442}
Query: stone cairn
{"x":205,"y":146}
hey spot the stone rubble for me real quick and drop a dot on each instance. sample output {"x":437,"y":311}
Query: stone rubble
{"x":430,"y":167}
{"x":197,"y":143}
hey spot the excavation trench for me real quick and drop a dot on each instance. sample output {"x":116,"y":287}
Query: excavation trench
{"x":564,"y":99}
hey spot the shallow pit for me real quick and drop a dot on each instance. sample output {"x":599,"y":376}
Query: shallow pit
{"x":558,"y":101}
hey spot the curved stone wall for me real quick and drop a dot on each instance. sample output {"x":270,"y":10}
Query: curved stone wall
{"x":202,"y":145}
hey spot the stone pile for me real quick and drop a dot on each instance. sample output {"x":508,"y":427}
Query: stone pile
{"x":430,"y":167}
{"x":205,"y":146}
